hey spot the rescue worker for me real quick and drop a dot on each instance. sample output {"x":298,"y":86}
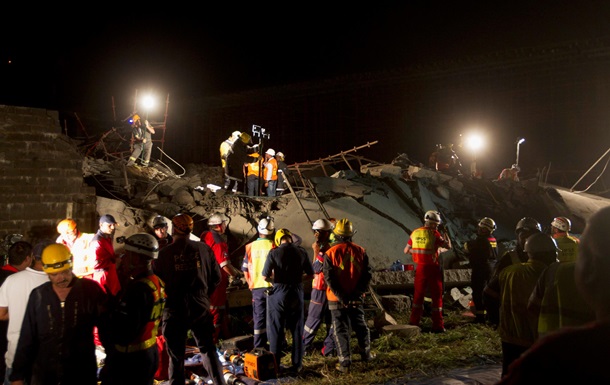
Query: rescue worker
{"x":511,"y":173}
{"x":576,"y":355}
{"x":423,"y":245}
{"x":19,"y":259}
{"x":160,"y":228}
{"x":286,"y":267}
{"x":348,"y":275}
{"x":556,"y":301}
{"x":270,"y":172}
{"x":318,"y":305}
{"x":142,"y":141}
{"x":56,"y":344}
{"x":236,"y":159}
{"x":78,"y":243}
{"x":517,"y":329}
{"x":132,"y":354}
{"x":252,"y":267}
{"x":282,"y":173}
{"x":568,"y":244}
{"x":216,"y":238}
{"x":191,"y":275}
{"x":526,"y":227}
{"x":483,"y":254}
{"x":253,"y":172}
{"x":225,"y":147}
{"x":101,"y":251}
{"x":14,"y":294}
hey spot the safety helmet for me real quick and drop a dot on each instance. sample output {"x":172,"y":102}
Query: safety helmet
{"x":266,"y":226}
{"x":279,"y":155}
{"x":159,"y":221}
{"x":281,"y":233}
{"x":144,"y":244}
{"x":235,"y":135}
{"x":344,"y":228}
{"x":67,"y":225}
{"x":135,"y":118}
{"x":217,"y":219}
{"x":527,"y":224}
{"x":322,"y":224}
{"x":270,"y":151}
{"x":488,"y":223}
{"x":516,"y":167}
{"x":245,"y":137}
{"x":540,"y":243}
{"x":183,"y":223}
{"x":562,"y":223}
{"x":56,"y":258}
{"x":432,"y":216}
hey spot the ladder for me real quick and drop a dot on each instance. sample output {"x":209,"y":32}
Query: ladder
{"x":308,"y":188}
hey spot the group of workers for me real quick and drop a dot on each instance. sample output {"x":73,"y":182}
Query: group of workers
{"x":244,"y":167}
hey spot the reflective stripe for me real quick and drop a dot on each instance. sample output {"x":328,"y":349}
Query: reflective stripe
{"x":136,"y":347}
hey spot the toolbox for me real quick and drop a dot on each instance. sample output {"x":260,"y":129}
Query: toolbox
{"x":259,"y":364}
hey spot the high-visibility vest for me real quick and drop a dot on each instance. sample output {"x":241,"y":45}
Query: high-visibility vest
{"x":424,"y":243}
{"x":568,"y":246}
{"x":347,"y":261}
{"x":256,"y":255}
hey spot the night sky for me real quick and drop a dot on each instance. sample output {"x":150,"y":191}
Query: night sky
{"x":79,"y":63}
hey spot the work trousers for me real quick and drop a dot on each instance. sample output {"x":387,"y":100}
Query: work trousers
{"x":259,"y":317}
{"x":428,"y":278}
{"x":135,"y":368}
{"x":252,"y":182}
{"x":478,"y":280}
{"x":271,"y":187}
{"x":221,"y":322}
{"x":346,"y":319}
{"x":141,"y":148}
{"x":175,"y":331}
{"x":316,"y":313}
{"x":285,"y":311}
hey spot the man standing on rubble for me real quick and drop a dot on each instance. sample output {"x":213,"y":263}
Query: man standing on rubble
{"x":424,"y":244}
{"x":348,"y":275}
{"x":525,"y":227}
{"x":191,"y":275}
{"x":216,"y":238}
{"x":131,"y":348}
{"x":237,"y":158}
{"x":318,"y":304}
{"x":254,"y":261}
{"x":142,"y":141}
{"x":270,"y":172}
{"x":482,"y":254}
{"x":286,"y":266}
{"x":282,"y":173}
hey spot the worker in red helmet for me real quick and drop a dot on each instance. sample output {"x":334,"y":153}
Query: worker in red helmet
{"x":424,"y":244}
{"x":191,"y":274}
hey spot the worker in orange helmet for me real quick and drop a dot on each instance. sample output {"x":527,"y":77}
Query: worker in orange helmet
{"x":424,"y":244}
{"x":78,"y":243}
{"x":142,"y":141}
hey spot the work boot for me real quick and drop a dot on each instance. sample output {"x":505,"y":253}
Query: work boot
{"x":342,"y":369}
{"x":367,"y":356}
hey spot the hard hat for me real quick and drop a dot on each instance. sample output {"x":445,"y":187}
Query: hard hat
{"x":159,"y":221}
{"x":279,"y":155}
{"x":245,"y":137}
{"x":183,"y":223}
{"x":488,"y":223}
{"x":266,"y":226}
{"x":144,"y":244}
{"x":432,"y":216}
{"x":322,"y":224}
{"x":540,"y":243}
{"x":282,"y":233}
{"x":67,"y":225}
{"x":217,"y":219}
{"x":270,"y":151}
{"x":56,"y":258}
{"x":344,"y":228}
{"x":527,"y":224}
{"x":135,"y":118}
{"x":562,"y":223}
{"x":235,"y":135}
{"x":516,"y":167}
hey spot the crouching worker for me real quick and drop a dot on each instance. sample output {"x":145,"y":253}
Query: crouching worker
{"x":132,"y":355}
